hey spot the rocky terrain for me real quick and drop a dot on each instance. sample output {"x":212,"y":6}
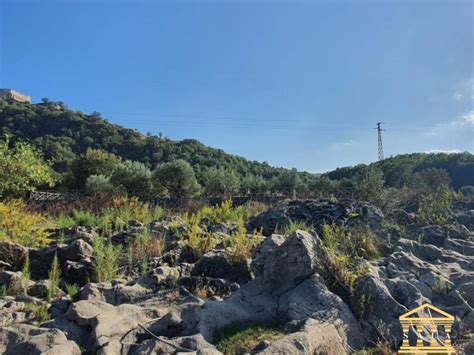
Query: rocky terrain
{"x":295,"y":282}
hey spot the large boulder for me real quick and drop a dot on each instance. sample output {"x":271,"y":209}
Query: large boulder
{"x":76,"y":251}
{"x":217,"y":264}
{"x":287,"y":290}
{"x":315,"y":213}
{"x":107,"y":321}
{"x":23,"y":339}
{"x":41,"y":260}
{"x":12,"y":312}
{"x":13,"y":254}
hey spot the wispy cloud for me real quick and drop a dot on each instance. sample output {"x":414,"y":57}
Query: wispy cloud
{"x":337,"y":146}
{"x":469,"y":118}
{"x":464,"y":124}
{"x":449,"y":151}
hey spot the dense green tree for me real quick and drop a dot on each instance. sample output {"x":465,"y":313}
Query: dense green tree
{"x":22,"y":169}
{"x":288,"y":183}
{"x":176,"y":179}
{"x":93,"y":162}
{"x":254,"y":186}
{"x":100,"y":184}
{"x":398,"y":169}
{"x":134,"y":177}
{"x":429,"y":179}
{"x":369,"y":185}
{"x":321,"y":186}
{"x":221,"y":182}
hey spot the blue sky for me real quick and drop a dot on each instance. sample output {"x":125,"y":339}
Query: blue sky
{"x":294,"y":83}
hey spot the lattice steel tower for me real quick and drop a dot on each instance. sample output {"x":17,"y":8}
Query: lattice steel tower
{"x":379,"y":138}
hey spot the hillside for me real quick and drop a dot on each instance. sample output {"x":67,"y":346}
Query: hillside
{"x":62,"y":134}
{"x":397,"y":169}
{"x":65,"y":135}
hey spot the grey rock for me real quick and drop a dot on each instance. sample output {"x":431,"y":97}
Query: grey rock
{"x":315,"y":213}
{"x":22,"y":339}
{"x":217,"y":264}
{"x":76,"y":251}
{"x":13,"y":254}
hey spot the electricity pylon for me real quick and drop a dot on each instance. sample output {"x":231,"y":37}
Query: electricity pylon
{"x":379,"y":138}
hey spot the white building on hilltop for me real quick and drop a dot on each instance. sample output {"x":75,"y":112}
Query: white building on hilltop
{"x":10,"y":94}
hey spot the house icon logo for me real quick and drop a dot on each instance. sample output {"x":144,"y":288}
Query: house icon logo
{"x":430,"y":328}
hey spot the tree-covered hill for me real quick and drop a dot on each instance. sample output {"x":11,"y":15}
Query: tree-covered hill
{"x":398,"y":169}
{"x":63,"y":134}
{"x":88,"y":153}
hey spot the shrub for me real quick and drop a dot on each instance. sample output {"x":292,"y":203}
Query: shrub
{"x":134,"y":177}
{"x":19,"y":226}
{"x":93,"y":162}
{"x":223,"y":213}
{"x":145,"y":246}
{"x":243,"y":338}
{"x":369,"y":185}
{"x":124,"y":209}
{"x":240,"y":245}
{"x":22,"y":169}
{"x":435,"y":207}
{"x":343,"y":249}
{"x":221,"y":182}
{"x":99,"y":184}
{"x":106,"y":260}
{"x":54,"y":276}
{"x":200,"y":241}
{"x":176,"y":179}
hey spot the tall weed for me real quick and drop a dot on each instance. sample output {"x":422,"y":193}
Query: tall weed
{"x":54,"y":277}
{"x":106,"y":260}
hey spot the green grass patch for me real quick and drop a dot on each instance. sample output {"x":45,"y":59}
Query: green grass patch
{"x":239,"y":339}
{"x":292,"y":227}
{"x":40,"y":312}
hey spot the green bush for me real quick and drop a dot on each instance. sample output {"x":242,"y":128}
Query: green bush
{"x":124,"y":209}
{"x":198,"y":240}
{"x":100,"y":184}
{"x":17,"y":225}
{"x":22,"y":169}
{"x":176,"y":179}
{"x":343,"y":249}
{"x":223,"y":213}
{"x":435,"y":208}
{"x":132,"y":177}
{"x":240,"y":245}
